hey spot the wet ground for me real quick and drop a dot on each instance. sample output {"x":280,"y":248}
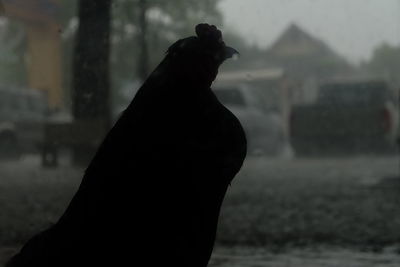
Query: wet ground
{"x":246,"y":257}
{"x":250,"y":257}
{"x":366,"y":170}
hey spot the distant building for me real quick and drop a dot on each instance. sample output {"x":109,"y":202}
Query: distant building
{"x":44,"y":67}
{"x":307,"y":60}
{"x":303,"y":55}
{"x":289,"y":71}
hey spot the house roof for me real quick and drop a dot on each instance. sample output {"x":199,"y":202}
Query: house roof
{"x":295,"y":41}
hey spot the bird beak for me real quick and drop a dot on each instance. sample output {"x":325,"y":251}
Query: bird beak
{"x":230,"y":52}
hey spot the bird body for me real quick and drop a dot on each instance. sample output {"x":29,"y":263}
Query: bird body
{"x":152,"y":194}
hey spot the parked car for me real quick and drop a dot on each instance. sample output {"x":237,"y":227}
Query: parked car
{"x":22,"y":118}
{"x":264,"y":129}
{"x":357,"y":116}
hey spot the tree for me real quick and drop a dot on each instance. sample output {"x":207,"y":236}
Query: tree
{"x":91,"y":60}
{"x":91,"y":84}
{"x":385,"y":62}
{"x":166,"y":21}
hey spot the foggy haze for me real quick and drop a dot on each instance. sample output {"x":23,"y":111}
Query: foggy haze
{"x":293,"y":151}
{"x":352,"y":28}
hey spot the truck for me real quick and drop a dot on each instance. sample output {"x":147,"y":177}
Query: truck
{"x":346,"y":117}
{"x":23,"y":114}
{"x":264,"y":128}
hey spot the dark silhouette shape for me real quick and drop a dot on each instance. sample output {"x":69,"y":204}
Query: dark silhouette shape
{"x":152,"y":194}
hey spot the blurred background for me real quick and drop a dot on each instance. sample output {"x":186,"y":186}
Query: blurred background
{"x":316,"y":88}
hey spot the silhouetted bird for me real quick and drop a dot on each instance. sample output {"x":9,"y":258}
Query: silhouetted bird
{"x":152,"y":194}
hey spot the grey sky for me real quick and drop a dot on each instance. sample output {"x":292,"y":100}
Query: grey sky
{"x":352,"y":27}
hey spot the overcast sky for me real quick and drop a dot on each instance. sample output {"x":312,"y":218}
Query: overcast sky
{"x":351,"y":27}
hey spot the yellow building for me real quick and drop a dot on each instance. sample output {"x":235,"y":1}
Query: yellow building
{"x":43,"y":58}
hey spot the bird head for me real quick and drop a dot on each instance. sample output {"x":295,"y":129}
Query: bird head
{"x":197,"y":58}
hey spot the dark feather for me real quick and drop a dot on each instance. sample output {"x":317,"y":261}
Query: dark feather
{"x":152,"y":194}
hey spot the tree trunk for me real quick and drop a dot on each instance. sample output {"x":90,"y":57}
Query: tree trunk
{"x":91,"y":82}
{"x":143,"y":66}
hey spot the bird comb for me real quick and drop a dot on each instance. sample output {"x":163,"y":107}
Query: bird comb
{"x":209,"y":34}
